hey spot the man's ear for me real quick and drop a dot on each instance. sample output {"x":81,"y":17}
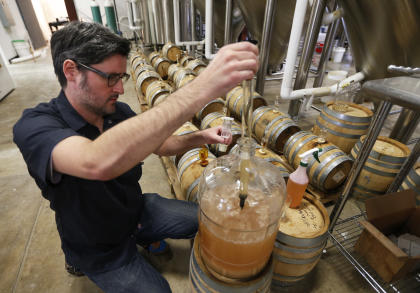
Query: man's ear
{"x":70,"y":70}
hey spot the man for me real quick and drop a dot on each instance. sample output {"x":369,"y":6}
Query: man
{"x":84,"y":150}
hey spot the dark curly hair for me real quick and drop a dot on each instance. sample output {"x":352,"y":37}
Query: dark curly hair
{"x":85,"y":42}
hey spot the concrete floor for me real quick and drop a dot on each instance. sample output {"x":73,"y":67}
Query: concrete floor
{"x":31,"y":259}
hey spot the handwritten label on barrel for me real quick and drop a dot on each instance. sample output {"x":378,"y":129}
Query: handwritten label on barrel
{"x":305,"y":221}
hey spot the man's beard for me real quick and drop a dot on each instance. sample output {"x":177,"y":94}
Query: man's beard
{"x":88,"y":100}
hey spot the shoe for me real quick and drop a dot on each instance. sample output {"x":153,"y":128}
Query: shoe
{"x":158,"y":248}
{"x":73,"y":271}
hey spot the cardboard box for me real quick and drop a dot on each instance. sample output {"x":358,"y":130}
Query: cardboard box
{"x":394,"y":213}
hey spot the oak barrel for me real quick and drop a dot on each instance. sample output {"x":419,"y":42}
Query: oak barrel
{"x":302,"y":236}
{"x":152,"y":56}
{"x":141,"y":68}
{"x":189,"y":172}
{"x":171,"y":51}
{"x":144,"y":79}
{"x":344,"y":123}
{"x":381,"y":167}
{"x":234,"y":101}
{"x":156,"y":92}
{"x":173,"y":68}
{"x":196,"y":65}
{"x":412,"y":181}
{"x":274,"y":126}
{"x":181,"y":74}
{"x":202,"y":281}
{"x":334,"y":167}
{"x":161,"y":64}
{"x":216,"y":105}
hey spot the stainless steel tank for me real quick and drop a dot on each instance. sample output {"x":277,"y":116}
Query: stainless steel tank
{"x":383,"y":32}
{"x":253,"y":13}
{"x":219,"y":19}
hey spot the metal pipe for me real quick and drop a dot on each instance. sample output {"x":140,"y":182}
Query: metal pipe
{"x":166,"y":20}
{"x":326,"y":51}
{"x":209,"y":40}
{"x":405,"y":126}
{"x":367,"y":145}
{"x":192,"y":19}
{"x":405,"y":168}
{"x":311,"y":36}
{"x":269,"y":17}
{"x":177,"y":26}
{"x":228,"y":22}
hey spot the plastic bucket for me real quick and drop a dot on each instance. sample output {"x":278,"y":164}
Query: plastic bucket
{"x":22,"y":47}
{"x":338,"y":53}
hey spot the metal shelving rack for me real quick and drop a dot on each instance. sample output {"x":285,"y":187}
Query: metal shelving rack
{"x":345,"y":236}
{"x":403,"y":91}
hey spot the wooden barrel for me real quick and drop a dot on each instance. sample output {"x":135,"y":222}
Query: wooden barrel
{"x":137,"y":55}
{"x":216,"y":119}
{"x":180,"y":74}
{"x":302,"y":236}
{"x":189,"y":173}
{"x":184,"y":80}
{"x":412,"y":181}
{"x":153,"y":56}
{"x":234,"y":101}
{"x":161,"y":64}
{"x":185,"y":59}
{"x":344,"y":123}
{"x":173,"y":68}
{"x":196,"y":65}
{"x":381,"y":167}
{"x":141,"y":68}
{"x":186,"y":128}
{"x":139,"y":62}
{"x":334,"y":167}
{"x":273,"y":125}
{"x":216,"y":105}
{"x":268,"y":156}
{"x":156,"y":92}
{"x":171,"y":51}
{"x":202,"y":281}
{"x":144,"y":79}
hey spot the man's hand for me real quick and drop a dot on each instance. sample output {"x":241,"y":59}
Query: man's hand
{"x":231,"y":65}
{"x":213,"y":135}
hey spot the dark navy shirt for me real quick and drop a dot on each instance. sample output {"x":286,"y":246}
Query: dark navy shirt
{"x":95,"y":219}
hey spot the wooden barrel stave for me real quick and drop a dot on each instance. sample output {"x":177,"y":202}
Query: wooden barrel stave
{"x":343,"y":128}
{"x":156,"y":92}
{"x":189,"y":172}
{"x":234,"y":101}
{"x":216,"y":105}
{"x":300,"y":241}
{"x":145,"y":79}
{"x":380,"y":168}
{"x":275,"y":126}
{"x":171,"y":51}
{"x":161,"y":65}
{"x":334,"y":167}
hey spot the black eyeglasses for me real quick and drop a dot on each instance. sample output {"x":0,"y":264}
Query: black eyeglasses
{"x":112,"y":78}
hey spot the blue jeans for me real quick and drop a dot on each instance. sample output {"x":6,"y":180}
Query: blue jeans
{"x":162,"y":218}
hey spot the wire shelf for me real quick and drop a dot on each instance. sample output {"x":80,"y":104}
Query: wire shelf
{"x":344,"y":237}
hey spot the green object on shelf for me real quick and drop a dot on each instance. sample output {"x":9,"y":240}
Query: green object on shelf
{"x":96,"y":13}
{"x":110,"y":18}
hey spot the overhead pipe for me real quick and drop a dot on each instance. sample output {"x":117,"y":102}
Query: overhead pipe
{"x":270,"y":10}
{"x":286,"y":92}
{"x":209,"y":30}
